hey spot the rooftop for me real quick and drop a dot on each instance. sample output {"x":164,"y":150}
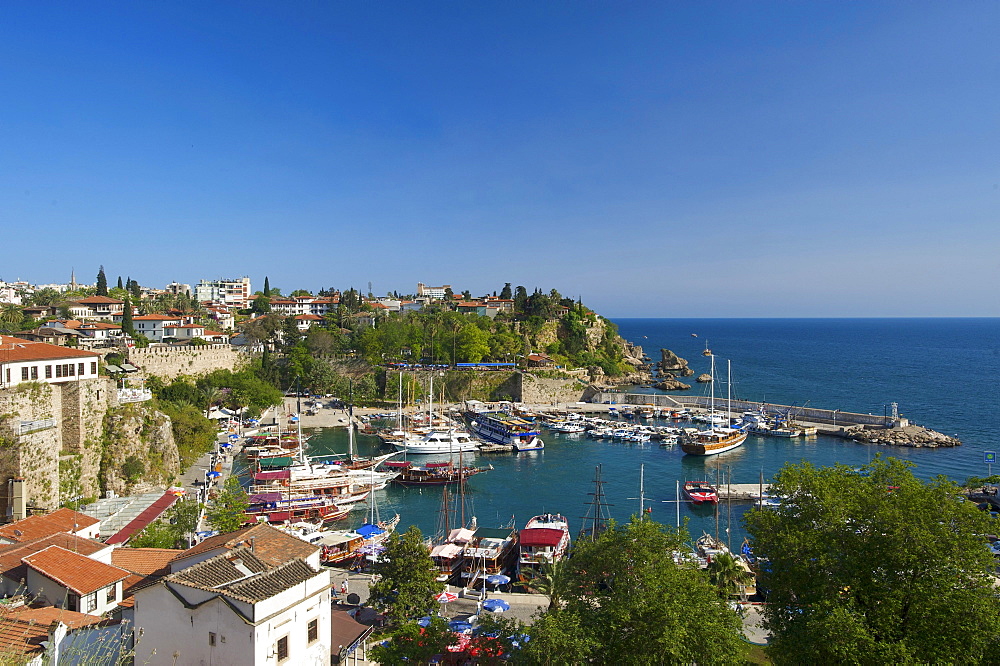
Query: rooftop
{"x":14,"y":350}
{"x":75,"y":572}
{"x":270,"y":544}
{"x":36,"y":527}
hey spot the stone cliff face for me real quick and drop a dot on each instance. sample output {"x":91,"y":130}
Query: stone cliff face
{"x":671,"y":364}
{"x":139,"y":449}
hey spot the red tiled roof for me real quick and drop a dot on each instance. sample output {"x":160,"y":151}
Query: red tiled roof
{"x":213,"y":333}
{"x":154,"y":317}
{"x":36,"y":527}
{"x":10,"y":556}
{"x":19,"y":637}
{"x":184,"y":326}
{"x":77,"y":573}
{"x":144,"y":561}
{"x":310,"y":317}
{"x":14,"y":350}
{"x":269,"y":544}
{"x":44,"y":616}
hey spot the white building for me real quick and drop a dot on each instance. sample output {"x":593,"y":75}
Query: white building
{"x":431,"y":292}
{"x":236,"y":608}
{"x":232,"y":293}
{"x":25,"y":361}
{"x":65,"y":579}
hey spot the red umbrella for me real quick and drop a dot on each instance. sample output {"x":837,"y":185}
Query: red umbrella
{"x":446,"y":597}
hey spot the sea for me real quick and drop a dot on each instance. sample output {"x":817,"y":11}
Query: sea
{"x":940,"y":373}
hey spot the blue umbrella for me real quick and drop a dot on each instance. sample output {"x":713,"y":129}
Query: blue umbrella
{"x":496,"y":605}
{"x":213,"y":475}
{"x":459,"y":627}
{"x":425,"y":621}
{"x":518,"y":639}
{"x":498,"y":579}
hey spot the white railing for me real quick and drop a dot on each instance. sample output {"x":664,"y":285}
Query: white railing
{"x":32,"y":426}
{"x":134,"y":395}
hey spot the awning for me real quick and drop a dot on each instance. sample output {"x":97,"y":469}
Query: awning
{"x":113,"y":368}
{"x":128,"y":367}
{"x":271,"y":476}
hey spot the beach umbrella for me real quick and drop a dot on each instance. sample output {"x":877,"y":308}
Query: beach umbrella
{"x":213,"y":474}
{"x":496,"y":605}
{"x":425,"y":621}
{"x":519,"y":639}
{"x":446,"y":597}
{"x":498,"y":579}
{"x":460,"y":627}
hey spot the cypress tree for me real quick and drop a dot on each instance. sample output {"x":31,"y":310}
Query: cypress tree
{"x":102,"y":283}
{"x":267,"y":287}
{"x":120,"y":282}
{"x":127,"y":326}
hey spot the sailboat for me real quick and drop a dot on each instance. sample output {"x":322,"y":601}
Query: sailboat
{"x":714,"y":440}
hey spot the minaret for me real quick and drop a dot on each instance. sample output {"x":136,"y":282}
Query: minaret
{"x":72,"y":279}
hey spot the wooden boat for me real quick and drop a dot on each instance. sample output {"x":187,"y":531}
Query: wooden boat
{"x":491,"y":551}
{"x":714,"y":440}
{"x":432,"y":474}
{"x":277,"y":508}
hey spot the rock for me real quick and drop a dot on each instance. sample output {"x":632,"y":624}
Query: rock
{"x":704,"y":378}
{"x":670,"y":362}
{"x":913,"y":436}
{"x":672,"y":385}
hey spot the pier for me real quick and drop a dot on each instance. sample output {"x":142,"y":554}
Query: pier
{"x":826,"y":421}
{"x":742,"y":492}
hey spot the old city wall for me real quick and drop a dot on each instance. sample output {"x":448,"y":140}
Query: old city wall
{"x":83,"y":406}
{"x":171,"y":362}
{"x":537,"y":390}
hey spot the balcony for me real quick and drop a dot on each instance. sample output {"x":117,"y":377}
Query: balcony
{"x":24,"y":427}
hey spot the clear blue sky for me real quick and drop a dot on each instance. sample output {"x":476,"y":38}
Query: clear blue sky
{"x":662,"y":159}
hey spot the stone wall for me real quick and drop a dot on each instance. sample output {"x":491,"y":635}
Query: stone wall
{"x":34,"y":455}
{"x":171,"y":362}
{"x":543,"y":390}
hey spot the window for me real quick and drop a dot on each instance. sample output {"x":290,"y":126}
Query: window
{"x":111,"y":596}
{"x":282,"y":648}
{"x":34,"y":372}
{"x":48,"y":372}
{"x":211,"y":639}
{"x":70,"y":370}
{"x":24,"y":374}
{"x":79,"y":369}
{"x":93,"y":368}
{"x":91,"y":603}
{"x":313,"y":630}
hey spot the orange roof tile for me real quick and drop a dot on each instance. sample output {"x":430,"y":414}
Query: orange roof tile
{"x":100,"y":300}
{"x":19,"y":637}
{"x":269,"y":544}
{"x":145,"y":561}
{"x":36,"y":527}
{"x":10,"y":556}
{"x":77,"y":573}
{"x":44,"y":616}
{"x":14,"y":350}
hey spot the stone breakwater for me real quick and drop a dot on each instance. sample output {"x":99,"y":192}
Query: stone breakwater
{"x":910,"y":435}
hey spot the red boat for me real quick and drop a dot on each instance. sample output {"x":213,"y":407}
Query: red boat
{"x":701,"y":492}
{"x":276,"y":508}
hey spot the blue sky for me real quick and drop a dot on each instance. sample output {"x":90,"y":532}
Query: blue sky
{"x":661,"y":159}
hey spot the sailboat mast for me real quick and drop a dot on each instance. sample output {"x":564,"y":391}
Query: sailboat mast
{"x":711,"y":409}
{"x":729,"y":390}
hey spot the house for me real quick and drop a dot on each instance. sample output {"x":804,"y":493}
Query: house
{"x":97,"y":307}
{"x":59,"y":521}
{"x":237,"y":608}
{"x":73,"y":581}
{"x":48,"y":635}
{"x":305,"y":321}
{"x":433,"y":293}
{"x":14,"y":573}
{"x":270,"y":544}
{"x":53,"y":334}
{"x":215,"y":337}
{"x":539,"y":361}
{"x":183,"y":332}
{"x":26,"y":361}
{"x":153,"y":325}
{"x":222,"y":316}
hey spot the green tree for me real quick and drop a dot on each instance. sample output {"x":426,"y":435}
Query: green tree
{"x":267,"y":286}
{"x":128,"y":327}
{"x":727,"y":575}
{"x":505,"y":292}
{"x":551,"y":580}
{"x":261,"y":305}
{"x":875,"y":567}
{"x":102,"y":283}
{"x":413,"y":644}
{"x":405,"y":578}
{"x":227,"y":512}
{"x":638,"y":606}
{"x":11,"y":316}
{"x":120,"y":286}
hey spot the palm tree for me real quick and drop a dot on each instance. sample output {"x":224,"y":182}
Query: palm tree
{"x":11,"y":315}
{"x":728,"y":574}
{"x":209,"y":396}
{"x":551,"y":580}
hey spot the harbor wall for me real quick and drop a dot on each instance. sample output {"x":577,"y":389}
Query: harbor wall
{"x":833,"y":417}
{"x":171,"y":362}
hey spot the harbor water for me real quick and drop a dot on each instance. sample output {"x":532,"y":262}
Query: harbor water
{"x":940,"y":372}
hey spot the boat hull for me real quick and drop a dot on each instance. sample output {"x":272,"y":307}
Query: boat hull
{"x":715,"y":445}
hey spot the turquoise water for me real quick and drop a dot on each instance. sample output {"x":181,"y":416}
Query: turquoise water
{"x":941,"y":372}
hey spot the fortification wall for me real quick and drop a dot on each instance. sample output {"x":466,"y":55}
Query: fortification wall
{"x":544,"y":390}
{"x":171,"y":362}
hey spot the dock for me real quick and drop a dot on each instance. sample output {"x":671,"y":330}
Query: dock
{"x":742,"y":492}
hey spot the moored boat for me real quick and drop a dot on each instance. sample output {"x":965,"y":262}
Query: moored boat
{"x":432,"y":474}
{"x":505,"y":428}
{"x":544,"y":540}
{"x":714,"y":440}
{"x":701,"y":492}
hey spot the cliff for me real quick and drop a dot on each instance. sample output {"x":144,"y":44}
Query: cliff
{"x":138,"y":449}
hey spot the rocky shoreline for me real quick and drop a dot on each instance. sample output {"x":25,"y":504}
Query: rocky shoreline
{"x":913,"y":436}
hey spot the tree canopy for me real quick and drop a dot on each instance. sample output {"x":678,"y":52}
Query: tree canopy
{"x":405,"y":578}
{"x":627,"y":601}
{"x":874,"y":566}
